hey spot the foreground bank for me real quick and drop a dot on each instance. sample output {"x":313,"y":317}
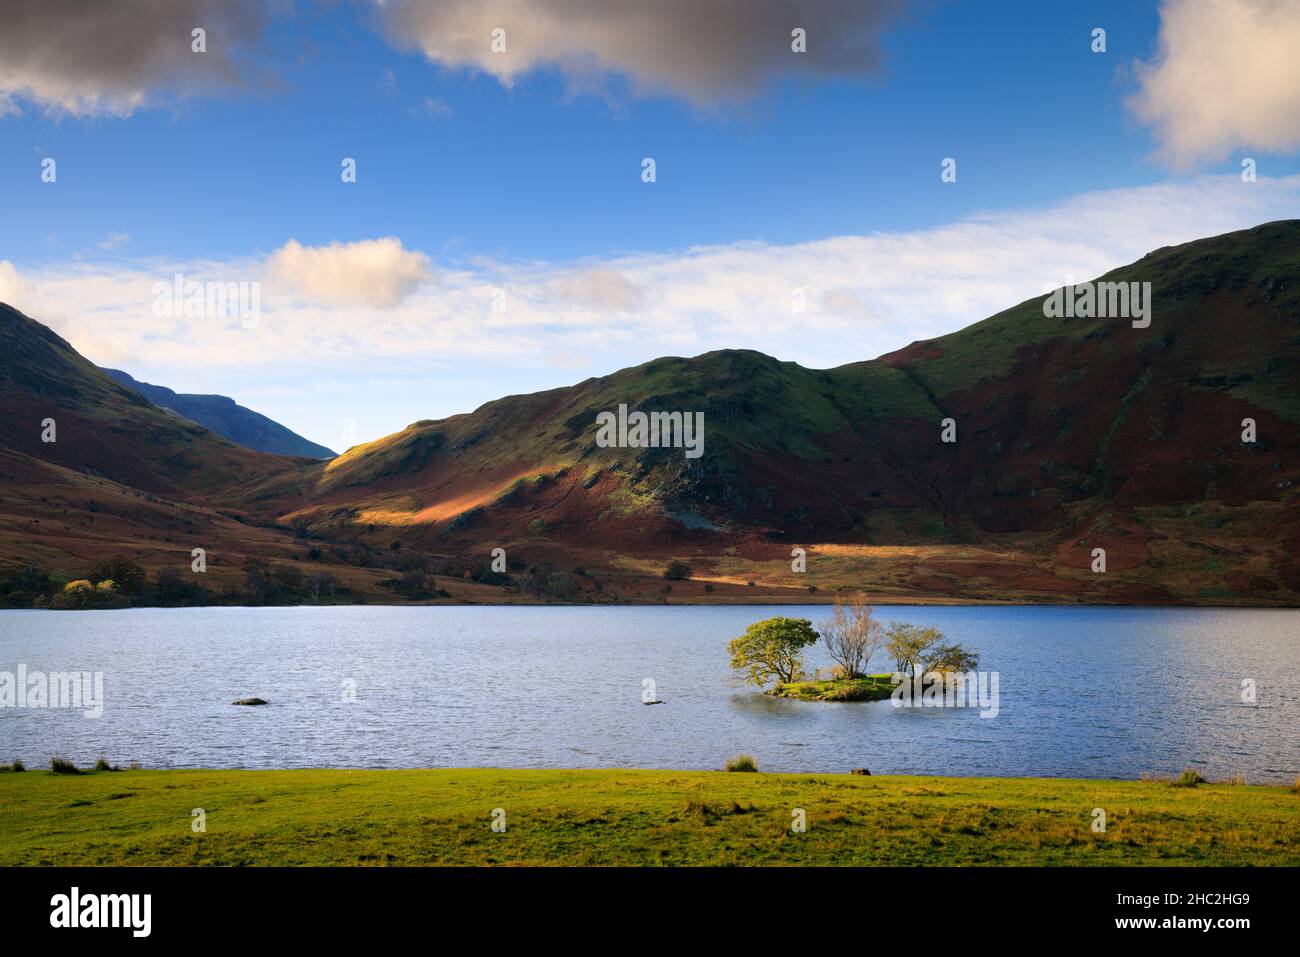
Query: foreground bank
{"x":626,"y":817}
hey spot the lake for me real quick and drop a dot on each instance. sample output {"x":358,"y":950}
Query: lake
{"x":1084,"y":692}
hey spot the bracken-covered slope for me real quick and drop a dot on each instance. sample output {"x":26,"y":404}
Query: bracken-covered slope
{"x":121,"y":476}
{"x":1072,"y":435}
{"x":104,"y":428}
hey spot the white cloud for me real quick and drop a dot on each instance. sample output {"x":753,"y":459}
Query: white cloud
{"x":436,"y":106}
{"x":1226,"y":77}
{"x":600,"y":288}
{"x":12,"y":288}
{"x":705,"y":52}
{"x":865,"y":296}
{"x":374,"y":272}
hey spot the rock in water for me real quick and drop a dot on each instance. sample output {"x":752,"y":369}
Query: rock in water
{"x":249,"y":701}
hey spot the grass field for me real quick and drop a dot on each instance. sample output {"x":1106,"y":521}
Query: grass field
{"x":624,"y":817}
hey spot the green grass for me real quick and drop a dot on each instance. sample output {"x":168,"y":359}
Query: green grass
{"x":625,"y":817}
{"x":868,"y":688}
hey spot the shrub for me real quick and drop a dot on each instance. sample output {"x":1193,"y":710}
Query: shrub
{"x":677,"y":571}
{"x":81,"y":593}
{"x":125,"y":574}
{"x":743,"y":762}
{"x":103,"y":765}
{"x":61,"y":766}
{"x":17,"y":765}
{"x":1189,"y":779}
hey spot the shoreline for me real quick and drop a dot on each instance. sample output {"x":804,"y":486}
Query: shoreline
{"x":690,"y":603}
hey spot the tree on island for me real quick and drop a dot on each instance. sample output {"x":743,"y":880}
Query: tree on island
{"x":852,"y":635}
{"x":945,"y":659}
{"x":924,"y":648}
{"x":908,"y":644}
{"x":770,"y":649}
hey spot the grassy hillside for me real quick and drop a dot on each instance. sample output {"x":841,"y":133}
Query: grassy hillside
{"x":627,"y":817}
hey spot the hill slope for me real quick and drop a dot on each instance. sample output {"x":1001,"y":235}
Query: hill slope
{"x":1072,"y":435}
{"x":223,"y":416}
{"x":122,"y":476}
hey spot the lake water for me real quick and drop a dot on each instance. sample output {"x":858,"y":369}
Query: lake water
{"x":1084,"y":692}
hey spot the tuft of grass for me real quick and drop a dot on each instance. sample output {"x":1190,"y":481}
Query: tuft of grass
{"x":16,"y":766}
{"x":1189,"y":779}
{"x":62,"y":766}
{"x":1238,"y":780}
{"x":743,"y":762}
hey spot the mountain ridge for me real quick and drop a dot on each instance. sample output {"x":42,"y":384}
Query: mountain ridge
{"x":1071,"y":435}
{"x":223,"y":415}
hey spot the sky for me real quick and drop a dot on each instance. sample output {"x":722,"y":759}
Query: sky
{"x":501,"y":235}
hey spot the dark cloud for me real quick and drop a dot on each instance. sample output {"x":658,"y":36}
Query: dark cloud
{"x":703,"y":50}
{"x":112,"y":56}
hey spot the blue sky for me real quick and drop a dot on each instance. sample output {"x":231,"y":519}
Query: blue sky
{"x":1010,"y":90}
{"x":531,"y":181}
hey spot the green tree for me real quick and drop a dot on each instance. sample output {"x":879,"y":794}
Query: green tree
{"x":908,"y":644}
{"x":770,"y":649}
{"x":945,"y":659}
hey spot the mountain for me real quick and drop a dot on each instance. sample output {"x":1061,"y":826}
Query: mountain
{"x":123,"y":476}
{"x":1071,"y":435}
{"x":223,"y":416}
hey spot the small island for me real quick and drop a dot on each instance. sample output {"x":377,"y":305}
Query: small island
{"x":861,"y":688}
{"x":770,"y":651}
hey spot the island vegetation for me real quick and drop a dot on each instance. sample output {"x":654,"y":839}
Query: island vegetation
{"x":770,"y":653}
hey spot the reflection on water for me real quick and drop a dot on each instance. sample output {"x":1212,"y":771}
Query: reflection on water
{"x":1100,"y":692}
